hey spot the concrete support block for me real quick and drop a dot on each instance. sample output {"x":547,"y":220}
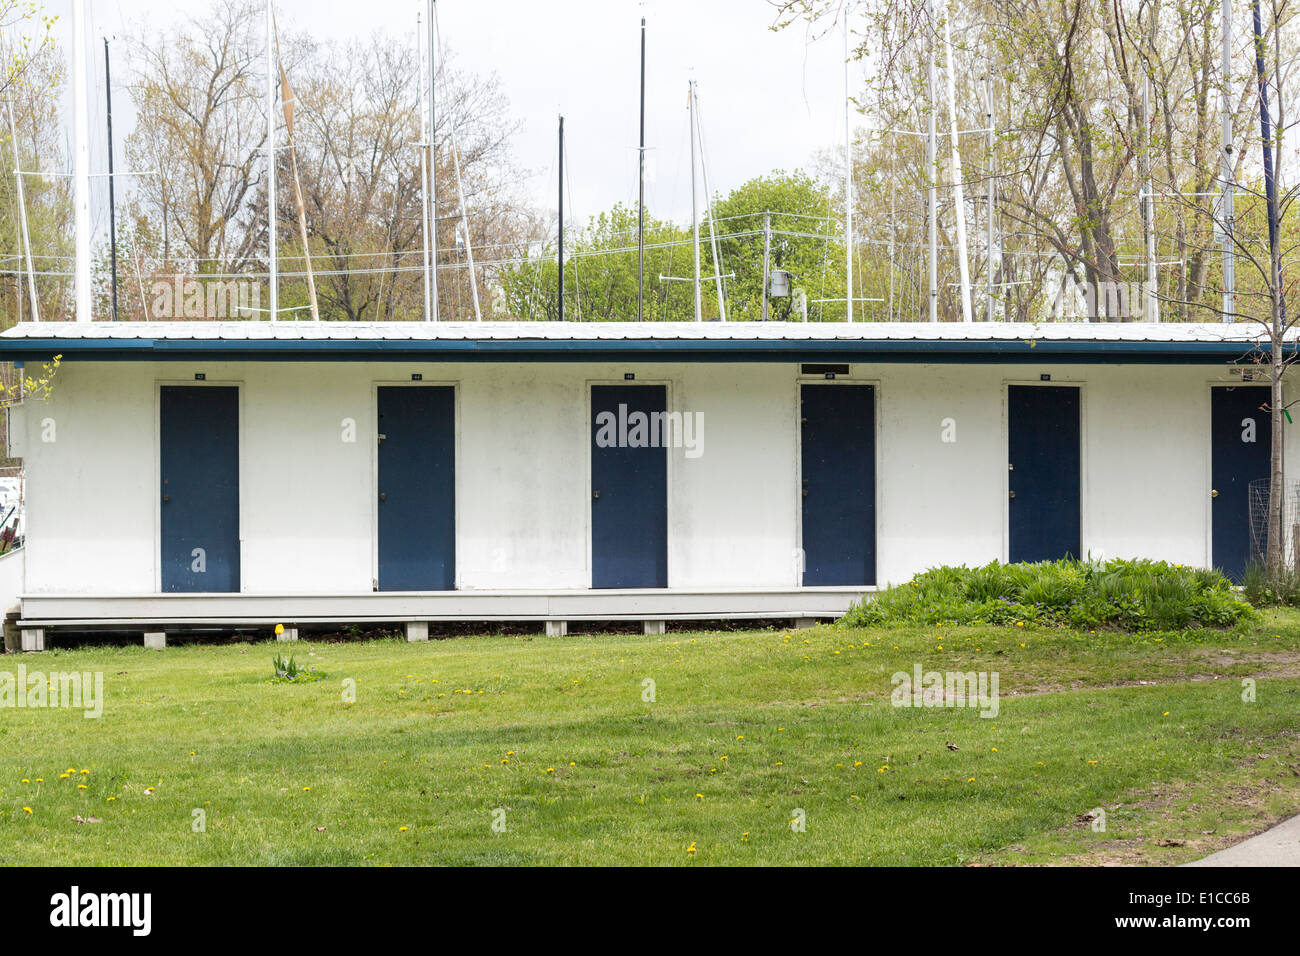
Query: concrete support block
{"x":802,"y":622}
{"x":287,"y":634}
{"x":654,"y":627}
{"x":33,"y":639}
{"x":557,"y":628}
{"x":417,"y":631}
{"x":155,"y":640}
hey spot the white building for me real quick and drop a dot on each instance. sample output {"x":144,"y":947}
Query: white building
{"x":186,"y":475}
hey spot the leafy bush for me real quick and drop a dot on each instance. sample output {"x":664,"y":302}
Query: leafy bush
{"x":1122,"y":595}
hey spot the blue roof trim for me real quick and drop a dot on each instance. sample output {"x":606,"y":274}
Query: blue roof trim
{"x":642,"y":350}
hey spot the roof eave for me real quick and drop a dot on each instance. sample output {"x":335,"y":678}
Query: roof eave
{"x":984,"y":351}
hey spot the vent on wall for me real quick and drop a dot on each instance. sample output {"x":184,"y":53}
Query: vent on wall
{"x":824,"y":369}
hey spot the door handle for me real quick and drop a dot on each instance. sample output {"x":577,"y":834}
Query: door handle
{"x":1214,"y":492}
{"x":1013,"y":494}
{"x":167,"y":497}
{"x":595,"y":494}
{"x":383,"y":496}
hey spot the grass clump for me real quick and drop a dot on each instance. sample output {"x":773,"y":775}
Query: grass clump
{"x":1137,"y":596}
{"x":287,"y":670}
{"x":1265,"y":588}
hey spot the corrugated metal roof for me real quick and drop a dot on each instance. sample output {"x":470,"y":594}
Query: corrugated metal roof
{"x":1243,"y":333}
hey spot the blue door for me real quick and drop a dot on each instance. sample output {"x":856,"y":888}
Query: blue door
{"x":838,"y":476}
{"x":629,"y":487}
{"x":1241,"y":444}
{"x":417,"y":488}
{"x":199,"y":511}
{"x":1043,"y":445}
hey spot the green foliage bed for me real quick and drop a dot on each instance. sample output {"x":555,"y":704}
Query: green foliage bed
{"x":1135,"y":596}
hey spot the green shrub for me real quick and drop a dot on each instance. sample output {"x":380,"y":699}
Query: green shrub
{"x":1135,"y":596}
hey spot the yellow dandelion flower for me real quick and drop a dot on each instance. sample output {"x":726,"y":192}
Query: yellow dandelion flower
{"x":27,"y":810}
{"x":81,"y":786}
{"x":402,"y":829}
{"x":25,"y":780}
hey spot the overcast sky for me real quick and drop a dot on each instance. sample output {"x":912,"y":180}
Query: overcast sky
{"x":767,"y":99}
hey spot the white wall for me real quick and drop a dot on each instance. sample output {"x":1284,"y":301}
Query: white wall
{"x":523,"y":493}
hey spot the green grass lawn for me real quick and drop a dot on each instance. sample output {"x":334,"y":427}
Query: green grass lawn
{"x":746,"y":728}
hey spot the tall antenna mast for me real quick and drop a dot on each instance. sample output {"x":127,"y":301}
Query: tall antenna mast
{"x":22,"y":216}
{"x":848,"y":183}
{"x":560,"y":298}
{"x":1270,"y":181}
{"x":1227,"y":170}
{"x":81,"y":161}
{"x":432,"y":211}
{"x":112,"y":201}
{"x":695,"y":211}
{"x":460,"y":195}
{"x":989,"y":297}
{"x":959,"y":193}
{"x":932,"y":158}
{"x":1152,"y":303}
{"x":708,"y":207}
{"x":640,"y":204}
{"x":424,"y":165}
{"x":273,"y":261}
